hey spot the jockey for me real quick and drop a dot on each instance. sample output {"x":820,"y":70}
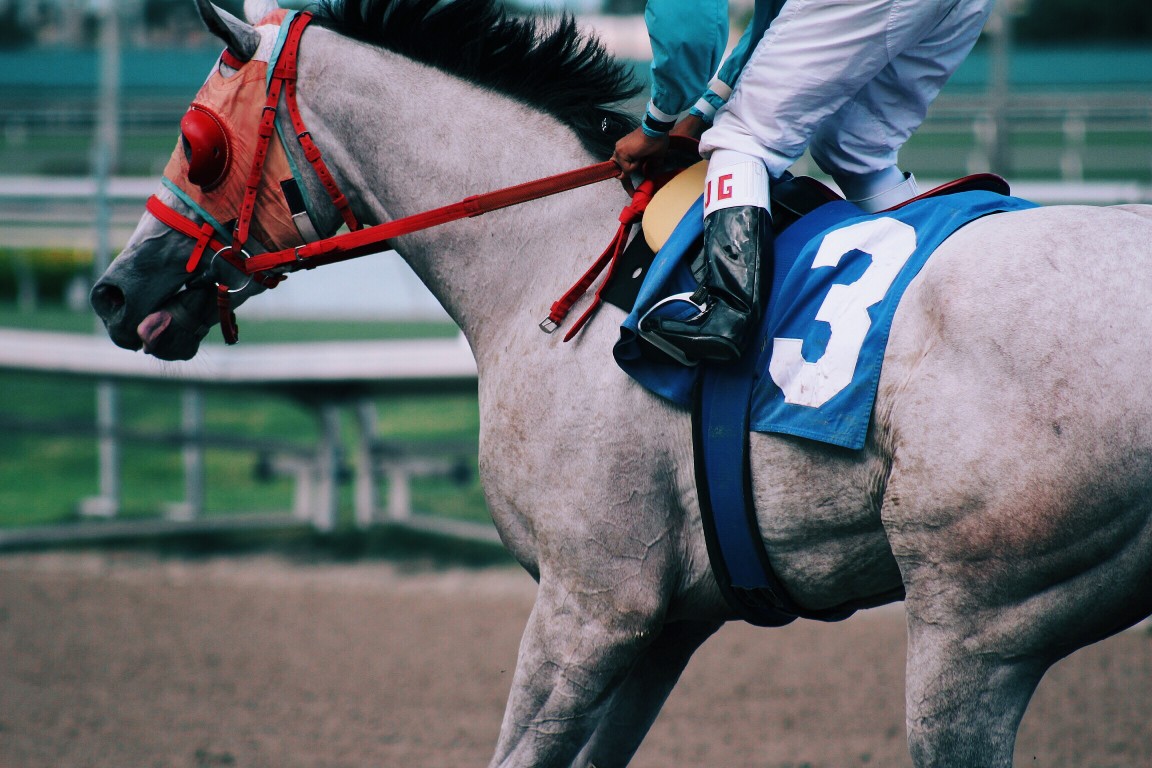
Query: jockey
{"x":849,"y":81}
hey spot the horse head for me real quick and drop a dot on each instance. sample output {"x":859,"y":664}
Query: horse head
{"x":247,"y":177}
{"x":229,"y":191}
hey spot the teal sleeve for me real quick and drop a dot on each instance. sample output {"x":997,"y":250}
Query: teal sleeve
{"x":688,"y":39}
{"x":705,"y":108}
{"x":765,"y":12}
{"x":710,"y":101}
{"x":736,"y":60}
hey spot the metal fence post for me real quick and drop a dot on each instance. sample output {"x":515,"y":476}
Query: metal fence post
{"x":192,"y":454}
{"x":327,"y":499}
{"x":104,"y":155}
{"x":365,"y":490}
{"x":107,"y":502}
{"x":1075,"y":131}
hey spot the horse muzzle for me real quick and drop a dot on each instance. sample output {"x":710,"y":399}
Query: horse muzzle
{"x":171,"y":331}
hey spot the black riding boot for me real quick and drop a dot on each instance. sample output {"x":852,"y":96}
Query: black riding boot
{"x":734,"y":239}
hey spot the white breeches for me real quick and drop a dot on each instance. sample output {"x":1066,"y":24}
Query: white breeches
{"x":849,"y":79}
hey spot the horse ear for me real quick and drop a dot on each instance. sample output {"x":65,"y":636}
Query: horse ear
{"x":242,"y":39}
{"x":258,"y":10}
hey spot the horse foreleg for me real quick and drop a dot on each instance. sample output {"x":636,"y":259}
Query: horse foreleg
{"x":964,"y":702}
{"x":639,"y":698}
{"x":578,"y":649}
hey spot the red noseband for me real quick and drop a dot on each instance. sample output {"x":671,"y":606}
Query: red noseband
{"x":206,"y":146}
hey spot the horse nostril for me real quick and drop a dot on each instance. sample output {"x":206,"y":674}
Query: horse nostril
{"x":106,"y":299}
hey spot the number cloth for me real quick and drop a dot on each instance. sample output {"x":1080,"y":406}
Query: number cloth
{"x":838,"y":278}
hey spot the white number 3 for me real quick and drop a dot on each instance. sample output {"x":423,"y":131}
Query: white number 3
{"x":845,"y":309}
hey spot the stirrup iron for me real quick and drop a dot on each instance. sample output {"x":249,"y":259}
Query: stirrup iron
{"x":693,"y":308}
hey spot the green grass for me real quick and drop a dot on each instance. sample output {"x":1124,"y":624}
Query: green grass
{"x":44,"y":476}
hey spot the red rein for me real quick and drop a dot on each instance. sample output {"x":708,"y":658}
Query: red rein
{"x":268,"y":269}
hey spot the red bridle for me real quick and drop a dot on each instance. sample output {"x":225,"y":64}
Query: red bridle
{"x":269,"y":269}
{"x":282,"y":81}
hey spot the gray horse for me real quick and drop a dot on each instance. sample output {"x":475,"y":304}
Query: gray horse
{"x":1006,"y":483}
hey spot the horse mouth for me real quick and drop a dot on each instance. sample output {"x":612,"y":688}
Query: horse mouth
{"x":175,"y":330}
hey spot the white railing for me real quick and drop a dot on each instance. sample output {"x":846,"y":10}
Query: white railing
{"x":321,"y":375}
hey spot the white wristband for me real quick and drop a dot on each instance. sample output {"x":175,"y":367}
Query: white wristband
{"x":720,"y":88}
{"x":705,"y":108}
{"x":659,"y":114}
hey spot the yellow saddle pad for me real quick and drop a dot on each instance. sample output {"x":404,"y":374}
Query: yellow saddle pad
{"x":671,"y":202}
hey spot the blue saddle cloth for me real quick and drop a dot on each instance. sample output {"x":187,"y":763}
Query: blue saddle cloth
{"x":838,"y":277}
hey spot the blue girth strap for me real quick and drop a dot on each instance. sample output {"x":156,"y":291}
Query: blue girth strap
{"x":723,"y":482}
{"x":736,"y":550}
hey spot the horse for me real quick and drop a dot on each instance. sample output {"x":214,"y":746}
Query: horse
{"x":1005,"y":488}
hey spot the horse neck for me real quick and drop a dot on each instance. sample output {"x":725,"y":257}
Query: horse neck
{"x":402,"y":138}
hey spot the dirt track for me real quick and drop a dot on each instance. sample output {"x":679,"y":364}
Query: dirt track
{"x":131,"y":661}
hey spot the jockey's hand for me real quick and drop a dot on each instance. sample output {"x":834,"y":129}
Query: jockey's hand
{"x":635,"y":150}
{"x":691,"y":126}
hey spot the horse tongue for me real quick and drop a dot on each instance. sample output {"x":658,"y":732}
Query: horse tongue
{"x":152,"y":328}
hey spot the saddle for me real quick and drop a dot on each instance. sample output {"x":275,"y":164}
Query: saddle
{"x":722,"y":396}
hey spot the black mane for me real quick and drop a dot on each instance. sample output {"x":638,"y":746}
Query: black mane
{"x":547,"y":65}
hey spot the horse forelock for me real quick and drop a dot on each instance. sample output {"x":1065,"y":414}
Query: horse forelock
{"x":549,"y":65}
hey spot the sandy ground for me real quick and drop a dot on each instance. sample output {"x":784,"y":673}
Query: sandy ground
{"x":129,"y":660}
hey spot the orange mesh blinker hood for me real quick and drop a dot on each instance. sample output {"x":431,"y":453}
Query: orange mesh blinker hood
{"x":217,"y":148}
